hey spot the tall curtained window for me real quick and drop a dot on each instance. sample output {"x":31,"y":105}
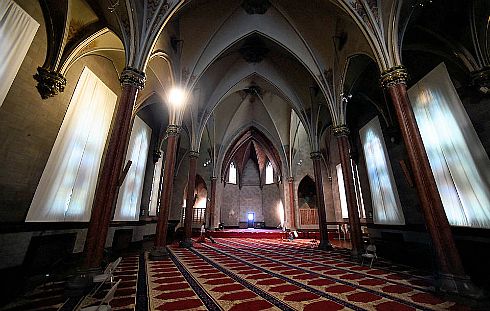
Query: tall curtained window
{"x":17,"y":30}
{"x":386,"y":204}
{"x":67,"y":186}
{"x":129,"y":198}
{"x":343,"y":198}
{"x":269,"y":174}
{"x":155,"y":188}
{"x":357,"y":188}
{"x":232,"y":174}
{"x":458,"y":160}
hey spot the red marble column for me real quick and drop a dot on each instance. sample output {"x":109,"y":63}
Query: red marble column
{"x":105,"y":197}
{"x":212,"y":203}
{"x":292,"y":222}
{"x":342,"y":132}
{"x":452,"y":277}
{"x":320,"y":201}
{"x":190,"y":198}
{"x":159,"y":250}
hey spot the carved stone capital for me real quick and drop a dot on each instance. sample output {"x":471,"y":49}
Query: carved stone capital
{"x":481,"y":79}
{"x":194,"y":154}
{"x":133,"y":77}
{"x":214,"y":178}
{"x":49,"y":83}
{"x":290,"y":179}
{"x":315,"y":155}
{"x":341,"y":130}
{"x":394,"y":75}
{"x":173,"y":130}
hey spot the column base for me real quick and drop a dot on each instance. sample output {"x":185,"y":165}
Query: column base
{"x":459,"y":285}
{"x":325,"y":245}
{"x":187,"y":243}
{"x":158,"y":253}
{"x":356,"y":256}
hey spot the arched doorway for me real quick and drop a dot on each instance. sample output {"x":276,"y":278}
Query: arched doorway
{"x":201,"y":198}
{"x":308,"y":211}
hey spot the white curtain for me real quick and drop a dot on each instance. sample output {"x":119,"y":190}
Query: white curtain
{"x":155,"y":188}
{"x":129,"y":198}
{"x":458,"y":160}
{"x":386,"y":204}
{"x":17,"y":30}
{"x":357,"y":188}
{"x":343,"y":199}
{"x":67,"y":186}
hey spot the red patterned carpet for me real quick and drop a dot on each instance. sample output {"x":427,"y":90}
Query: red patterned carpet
{"x":269,"y":274}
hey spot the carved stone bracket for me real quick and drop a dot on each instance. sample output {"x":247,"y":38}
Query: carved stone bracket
{"x":394,"y":75}
{"x":193,"y":154}
{"x":341,"y":130}
{"x":49,"y":83}
{"x":316,"y":155}
{"x":256,"y":6}
{"x":134,"y":77}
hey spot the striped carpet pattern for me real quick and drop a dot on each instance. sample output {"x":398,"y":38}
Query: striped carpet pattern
{"x":251,"y":274}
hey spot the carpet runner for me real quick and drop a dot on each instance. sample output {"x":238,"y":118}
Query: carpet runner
{"x":267,"y":274}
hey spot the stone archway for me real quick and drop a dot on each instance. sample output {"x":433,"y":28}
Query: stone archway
{"x":200,"y":203}
{"x":308,"y":211}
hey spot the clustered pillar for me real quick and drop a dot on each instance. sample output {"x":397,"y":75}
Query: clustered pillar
{"x":190,"y":198}
{"x":291,"y":202}
{"x":159,"y":250}
{"x":320,"y":201}
{"x":342,"y":134}
{"x":452,"y":277}
{"x":212,"y":203}
{"x":132,"y":81}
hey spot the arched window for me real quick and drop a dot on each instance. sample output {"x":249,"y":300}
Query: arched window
{"x":232,"y":174}
{"x":269,"y":174}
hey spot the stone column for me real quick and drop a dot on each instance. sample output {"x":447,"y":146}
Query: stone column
{"x":190,"y":198}
{"x":320,"y":201}
{"x":212,"y":203}
{"x":105,"y":197}
{"x":292,"y":222}
{"x":451,"y":275}
{"x":342,"y":134}
{"x":159,"y":250}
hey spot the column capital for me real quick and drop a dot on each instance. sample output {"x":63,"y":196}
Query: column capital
{"x":315,"y":155}
{"x":194,"y":154}
{"x":133,"y":77}
{"x":341,"y":130}
{"x":214,"y":178}
{"x":394,"y":75}
{"x":172,"y":130}
{"x":49,"y":83}
{"x":290,"y":179}
{"x":481,"y":79}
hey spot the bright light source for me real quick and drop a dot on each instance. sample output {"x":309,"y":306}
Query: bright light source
{"x":250,"y":216}
{"x":176,"y":97}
